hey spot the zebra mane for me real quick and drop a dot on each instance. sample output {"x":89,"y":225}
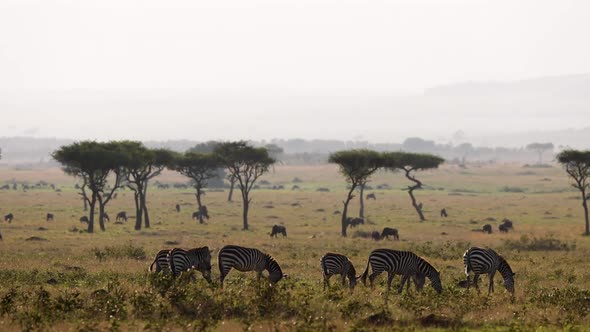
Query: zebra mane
{"x":505,"y":268}
{"x":272,"y":261}
{"x":426,"y":269}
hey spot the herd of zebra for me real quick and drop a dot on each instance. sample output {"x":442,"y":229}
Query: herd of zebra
{"x":477,"y":261}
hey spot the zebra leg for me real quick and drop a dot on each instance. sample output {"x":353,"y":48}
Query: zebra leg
{"x":491,"y":286}
{"x":327,"y":281}
{"x":402,"y":283}
{"x":343,"y":279}
{"x":373,"y":276}
{"x":390,"y":276}
{"x":475,"y":279}
{"x":258,"y":275}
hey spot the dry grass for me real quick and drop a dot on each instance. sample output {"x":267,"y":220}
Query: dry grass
{"x":544,"y":210}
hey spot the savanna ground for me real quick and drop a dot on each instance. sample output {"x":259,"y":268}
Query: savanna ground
{"x":66,"y":279}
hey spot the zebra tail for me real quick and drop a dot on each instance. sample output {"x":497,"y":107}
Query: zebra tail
{"x":150,"y":269}
{"x":364,"y":276}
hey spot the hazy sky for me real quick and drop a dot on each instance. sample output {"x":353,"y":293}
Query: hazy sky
{"x":206,"y":62}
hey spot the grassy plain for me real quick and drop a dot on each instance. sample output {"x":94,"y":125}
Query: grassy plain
{"x":70,"y":280}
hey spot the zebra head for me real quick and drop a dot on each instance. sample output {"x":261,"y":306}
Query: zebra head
{"x":352,"y":276}
{"x":507,"y":274}
{"x":435,"y":281}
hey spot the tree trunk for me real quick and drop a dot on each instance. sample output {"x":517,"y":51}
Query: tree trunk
{"x":246,"y":206}
{"x":91,"y":219}
{"x":143,"y":200}
{"x":85,"y":204}
{"x":232,"y":182}
{"x":345,"y":210}
{"x":411,"y":189}
{"x":362,"y":202}
{"x":138,"y":210}
{"x":198,"y":196}
{"x":411,"y":192}
{"x":585,"y":205}
{"x":101,"y":213}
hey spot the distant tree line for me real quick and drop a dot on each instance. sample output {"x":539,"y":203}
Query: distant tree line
{"x":34,"y":151}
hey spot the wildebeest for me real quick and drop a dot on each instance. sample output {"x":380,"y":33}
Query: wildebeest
{"x":503,"y":228}
{"x":487,"y":228}
{"x":84,"y":219}
{"x":203,"y":211}
{"x":49,"y":217}
{"x":507,"y":223}
{"x":371,"y":196}
{"x":105,"y":216}
{"x":295,"y":187}
{"x":387,"y":232}
{"x":353,"y":222}
{"x":375,"y":236}
{"x":322,"y":189}
{"x":177,"y":207}
{"x":5,"y":187}
{"x":443,"y":213}
{"x":121,"y":216}
{"x":9,"y":217}
{"x":278,"y":229}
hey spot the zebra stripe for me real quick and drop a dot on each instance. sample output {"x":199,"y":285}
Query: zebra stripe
{"x":405,"y":263}
{"x":338,"y":264}
{"x":487,"y":261}
{"x":184,"y":260}
{"x":161,"y":262}
{"x":248,"y":259}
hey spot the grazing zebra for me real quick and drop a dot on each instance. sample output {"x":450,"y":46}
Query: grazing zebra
{"x":248,"y":259}
{"x":338,"y":264}
{"x":184,"y":260}
{"x":161,"y":262}
{"x":487,"y":261}
{"x":405,"y":263}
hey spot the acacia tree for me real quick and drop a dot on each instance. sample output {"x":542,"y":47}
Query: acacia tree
{"x":200,"y":168}
{"x":410,"y":162}
{"x":540,"y":148}
{"x":93,"y":162}
{"x":357,"y":166}
{"x":577,"y":166}
{"x":245,"y":164}
{"x":141,"y":165}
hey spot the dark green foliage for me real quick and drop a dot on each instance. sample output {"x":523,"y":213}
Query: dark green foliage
{"x":577,"y":166}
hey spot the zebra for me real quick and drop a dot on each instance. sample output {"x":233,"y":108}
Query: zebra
{"x":487,"y":261}
{"x":248,"y":259}
{"x":332,"y":263}
{"x":405,"y":263}
{"x":161,"y":262}
{"x":197,"y":258}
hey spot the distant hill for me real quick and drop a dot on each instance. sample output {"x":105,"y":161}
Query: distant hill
{"x":577,"y":86}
